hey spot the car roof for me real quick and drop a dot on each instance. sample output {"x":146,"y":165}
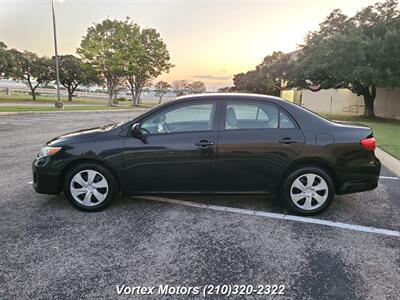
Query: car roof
{"x":231,"y":96}
{"x":301,"y":115}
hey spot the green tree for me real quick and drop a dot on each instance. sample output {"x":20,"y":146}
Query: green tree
{"x":73,"y":73}
{"x":146,"y":57}
{"x":268,"y":76}
{"x":103,"y":48}
{"x":123,"y":53}
{"x":358,"y":53}
{"x":225,"y":89}
{"x":197,"y":87}
{"x":185,"y":87}
{"x":30,"y":69}
{"x":5,"y":61}
{"x":161,"y":88}
{"x":180,"y":87}
{"x":251,"y":82}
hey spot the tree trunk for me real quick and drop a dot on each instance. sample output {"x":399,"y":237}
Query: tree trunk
{"x":134,"y":95}
{"x":110,"y":90}
{"x":369,"y":106}
{"x":112,"y":82}
{"x":138,"y":93}
{"x":133,"y":98}
{"x":110,"y":97}
{"x":70,"y":93}
{"x":136,"y":90}
{"x":27,"y":81}
{"x":132,"y":90}
{"x":33,"y":93}
{"x":159,"y":101}
{"x":369,"y":99}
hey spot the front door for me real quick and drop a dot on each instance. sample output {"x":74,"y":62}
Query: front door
{"x":256,"y":143}
{"x":177,"y":151}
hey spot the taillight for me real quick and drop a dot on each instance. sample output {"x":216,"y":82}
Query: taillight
{"x":369,"y":143}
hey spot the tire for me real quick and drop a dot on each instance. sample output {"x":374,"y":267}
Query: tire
{"x":89,"y":187}
{"x":307,"y":190}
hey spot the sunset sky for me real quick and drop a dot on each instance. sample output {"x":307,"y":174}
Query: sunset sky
{"x":208,"y":40}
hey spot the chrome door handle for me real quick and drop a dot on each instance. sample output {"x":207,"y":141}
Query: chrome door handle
{"x":204,"y":144}
{"x":287,"y":141}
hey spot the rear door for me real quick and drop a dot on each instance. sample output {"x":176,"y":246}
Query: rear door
{"x":257,"y":141}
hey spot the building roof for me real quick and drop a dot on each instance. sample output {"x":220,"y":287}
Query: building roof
{"x":295,"y":54}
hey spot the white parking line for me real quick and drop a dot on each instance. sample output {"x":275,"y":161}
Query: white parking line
{"x":265,"y":214}
{"x":389,"y":177}
{"x":15,"y":123}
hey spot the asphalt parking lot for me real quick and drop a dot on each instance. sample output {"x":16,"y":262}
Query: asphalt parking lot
{"x":51,"y":250}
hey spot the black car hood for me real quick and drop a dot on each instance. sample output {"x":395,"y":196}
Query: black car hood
{"x":80,"y":135}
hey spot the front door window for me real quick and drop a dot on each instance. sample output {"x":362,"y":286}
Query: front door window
{"x":185,"y":118}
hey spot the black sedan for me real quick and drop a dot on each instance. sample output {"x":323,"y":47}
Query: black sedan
{"x":213,"y":143}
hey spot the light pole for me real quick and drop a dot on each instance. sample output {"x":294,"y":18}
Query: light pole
{"x":58,"y":103}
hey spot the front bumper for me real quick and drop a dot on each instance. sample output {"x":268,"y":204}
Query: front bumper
{"x":46,"y":180}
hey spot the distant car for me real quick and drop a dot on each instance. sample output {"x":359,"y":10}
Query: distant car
{"x":213,"y":143}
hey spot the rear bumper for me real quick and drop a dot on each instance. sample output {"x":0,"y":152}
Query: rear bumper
{"x":45,"y":180}
{"x":365,"y":179}
{"x":356,"y":186}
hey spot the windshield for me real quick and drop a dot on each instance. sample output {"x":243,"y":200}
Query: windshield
{"x":111,"y":125}
{"x":143,"y":112}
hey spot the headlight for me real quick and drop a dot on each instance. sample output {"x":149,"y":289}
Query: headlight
{"x":48,"y":151}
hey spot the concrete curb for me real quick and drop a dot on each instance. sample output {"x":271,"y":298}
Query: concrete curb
{"x":388,"y":161}
{"x":69,"y":111}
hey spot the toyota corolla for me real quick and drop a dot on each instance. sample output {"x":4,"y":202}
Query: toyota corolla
{"x":213,"y":143}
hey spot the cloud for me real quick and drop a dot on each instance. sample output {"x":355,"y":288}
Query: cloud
{"x":212,"y":77}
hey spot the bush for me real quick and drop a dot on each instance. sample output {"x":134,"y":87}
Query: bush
{"x":121,"y":99}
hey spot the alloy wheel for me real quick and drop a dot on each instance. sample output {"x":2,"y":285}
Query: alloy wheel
{"x":89,"y":187}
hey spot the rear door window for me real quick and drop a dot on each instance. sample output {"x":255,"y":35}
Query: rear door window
{"x":257,"y":115}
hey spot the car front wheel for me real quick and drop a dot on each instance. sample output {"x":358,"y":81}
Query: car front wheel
{"x":89,"y":187}
{"x":307,"y":190}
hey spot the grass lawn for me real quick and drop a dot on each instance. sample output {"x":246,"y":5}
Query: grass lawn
{"x":386,"y":132}
{"x":47,"y":99}
{"x":28,"y":108}
{"x":27,"y":99}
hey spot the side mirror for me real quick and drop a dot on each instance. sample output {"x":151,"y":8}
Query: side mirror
{"x":135,"y":129}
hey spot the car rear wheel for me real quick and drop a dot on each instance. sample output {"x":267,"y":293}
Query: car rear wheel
{"x":307,"y":190}
{"x":89,"y":187}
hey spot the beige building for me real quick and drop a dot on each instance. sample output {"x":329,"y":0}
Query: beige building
{"x":344,"y":102}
